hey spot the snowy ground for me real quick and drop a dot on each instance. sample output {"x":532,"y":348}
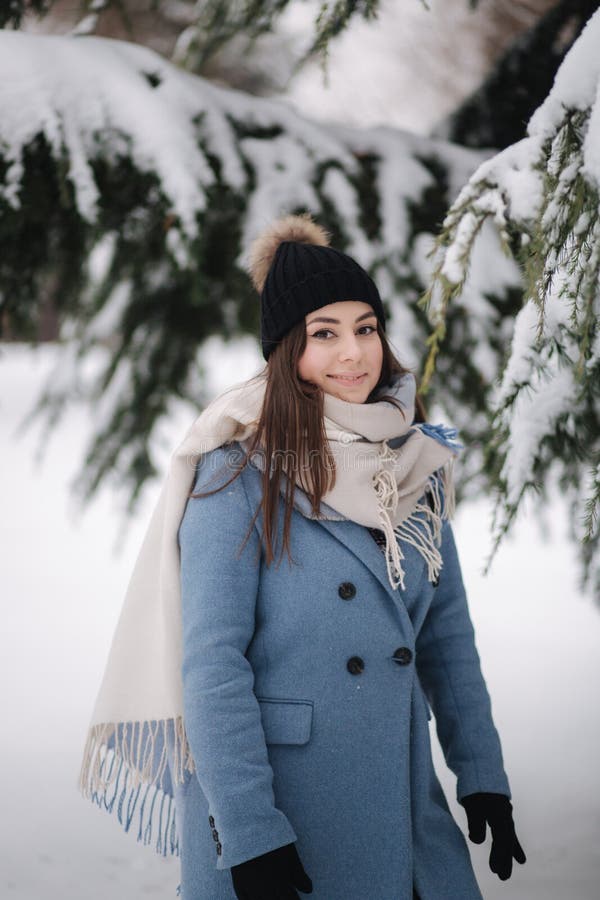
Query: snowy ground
{"x":62,"y":588}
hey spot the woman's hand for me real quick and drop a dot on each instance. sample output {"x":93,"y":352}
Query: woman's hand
{"x":271,"y":876}
{"x":496,"y":811}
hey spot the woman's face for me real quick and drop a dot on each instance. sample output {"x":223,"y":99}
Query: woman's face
{"x":342,"y":340}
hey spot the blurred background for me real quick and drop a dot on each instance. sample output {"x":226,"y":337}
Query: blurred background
{"x":142,"y":146}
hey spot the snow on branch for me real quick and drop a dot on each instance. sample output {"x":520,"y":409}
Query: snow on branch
{"x":543,"y":195}
{"x":91,"y":98}
{"x":130,"y":191}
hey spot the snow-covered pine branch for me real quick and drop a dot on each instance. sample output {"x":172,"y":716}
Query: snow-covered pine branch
{"x":12,"y":12}
{"x":130,"y":191}
{"x":543,"y":194}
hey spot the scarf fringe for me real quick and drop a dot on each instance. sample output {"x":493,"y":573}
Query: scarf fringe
{"x":422,"y":528}
{"x":131,"y":766}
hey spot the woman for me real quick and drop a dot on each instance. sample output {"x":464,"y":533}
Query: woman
{"x":282,"y":706}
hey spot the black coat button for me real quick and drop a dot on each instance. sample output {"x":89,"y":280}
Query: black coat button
{"x":355,"y":665}
{"x":402,"y":656}
{"x":436,"y":581}
{"x":215,"y":834}
{"x":211,"y":821}
{"x":219,"y":848}
{"x":347,"y":590}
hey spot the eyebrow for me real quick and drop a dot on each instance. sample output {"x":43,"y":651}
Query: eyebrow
{"x":337,"y":321}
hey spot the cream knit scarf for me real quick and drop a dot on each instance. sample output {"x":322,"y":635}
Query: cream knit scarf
{"x":385,"y":466}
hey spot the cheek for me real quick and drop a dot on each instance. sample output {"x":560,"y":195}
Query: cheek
{"x":305,"y":364}
{"x":314,"y":360}
{"x":377,"y":354}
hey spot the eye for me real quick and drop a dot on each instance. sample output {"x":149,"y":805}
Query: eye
{"x":318,"y":334}
{"x":363,"y":330}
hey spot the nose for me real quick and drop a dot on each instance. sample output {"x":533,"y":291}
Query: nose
{"x":349,"y":348}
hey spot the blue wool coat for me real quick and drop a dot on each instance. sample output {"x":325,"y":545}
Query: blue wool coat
{"x":293,"y":740}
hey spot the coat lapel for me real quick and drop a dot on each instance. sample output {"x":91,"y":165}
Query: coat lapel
{"x":354,"y":537}
{"x":357,"y":540}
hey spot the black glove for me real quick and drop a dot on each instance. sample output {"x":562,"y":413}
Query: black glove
{"x":271,"y":876}
{"x":496,"y":811}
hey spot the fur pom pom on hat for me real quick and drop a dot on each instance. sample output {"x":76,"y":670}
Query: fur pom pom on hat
{"x":290,"y":228}
{"x":296,"y":272}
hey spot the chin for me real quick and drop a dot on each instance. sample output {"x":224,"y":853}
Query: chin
{"x":358,"y":395}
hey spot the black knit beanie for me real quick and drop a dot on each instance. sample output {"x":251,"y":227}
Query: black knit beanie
{"x":299,"y":273}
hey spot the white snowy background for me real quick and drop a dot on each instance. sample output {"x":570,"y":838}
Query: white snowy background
{"x":64,"y":576}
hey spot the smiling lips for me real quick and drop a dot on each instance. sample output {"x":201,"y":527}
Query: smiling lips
{"x":349,"y":379}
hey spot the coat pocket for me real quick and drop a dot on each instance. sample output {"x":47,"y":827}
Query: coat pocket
{"x":286,"y":721}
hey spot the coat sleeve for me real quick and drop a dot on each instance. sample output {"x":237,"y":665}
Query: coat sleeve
{"x":221,"y":712}
{"x":449,"y":670}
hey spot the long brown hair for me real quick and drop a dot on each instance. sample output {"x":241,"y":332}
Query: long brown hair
{"x":291,"y":437}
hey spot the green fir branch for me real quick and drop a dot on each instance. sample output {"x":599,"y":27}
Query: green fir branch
{"x":467,"y":210}
{"x":592,"y":505}
{"x":559,"y":253}
{"x":12,"y":12}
